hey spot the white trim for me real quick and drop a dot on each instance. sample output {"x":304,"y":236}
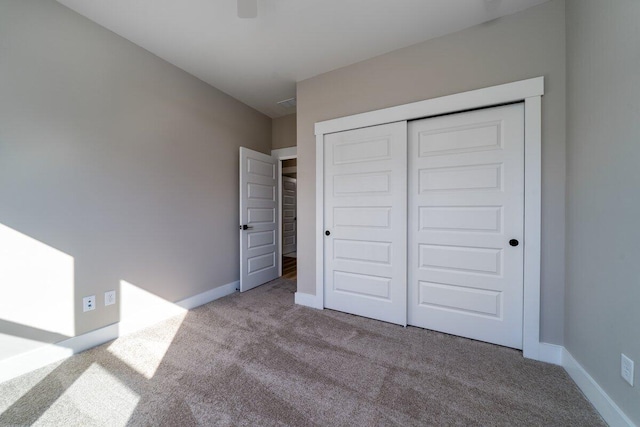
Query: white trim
{"x":42,"y":356}
{"x":612,"y":414}
{"x":280,"y":217}
{"x":501,"y":94}
{"x":51,"y":353}
{"x":529,"y":91}
{"x":532,"y":226}
{"x":307,"y":300}
{"x":285,"y":153}
{"x":207,"y":296}
{"x":281,"y":154}
{"x":320,"y":221}
{"x":550,"y":353}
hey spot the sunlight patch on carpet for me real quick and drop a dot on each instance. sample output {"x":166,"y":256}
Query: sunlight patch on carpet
{"x":144,"y":353}
{"x":97,"y":396}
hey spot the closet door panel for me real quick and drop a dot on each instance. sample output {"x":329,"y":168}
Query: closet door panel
{"x":365,"y":216}
{"x":466,"y":202}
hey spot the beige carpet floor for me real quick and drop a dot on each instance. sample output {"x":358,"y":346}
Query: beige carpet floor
{"x":258,"y":359}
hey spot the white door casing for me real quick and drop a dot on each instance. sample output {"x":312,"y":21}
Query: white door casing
{"x":364,"y":212}
{"x":466,"y":203}
{"x":289,"y":201}
{"x":259,"y":230}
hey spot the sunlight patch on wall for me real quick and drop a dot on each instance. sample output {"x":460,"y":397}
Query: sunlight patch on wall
{"x":36,"y":285}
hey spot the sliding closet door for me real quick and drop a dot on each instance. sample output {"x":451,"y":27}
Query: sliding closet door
{"x":365,"y":195}
{"x":466,"y":217}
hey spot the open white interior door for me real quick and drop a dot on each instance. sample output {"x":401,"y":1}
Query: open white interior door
{"x":259,"y":230}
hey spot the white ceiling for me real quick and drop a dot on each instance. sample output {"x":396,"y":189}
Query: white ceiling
{"x":259,"y":61}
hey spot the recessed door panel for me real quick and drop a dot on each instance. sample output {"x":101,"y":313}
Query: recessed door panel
{"x":459,"y":139}
{"x":363,"y":251}
{"x":260,"y":263}
{"x":468,"y":177}
{"x":261,"y":216}
{"x":362,"y":285}
{"x":260,"y":192}
{"x":258,"y":167}
{"x":471,"y":301}
{"x":460,"y":218}
{"x":460,"y":259}
{"x":362,"y":151}
{"x":362,"y":217}
{"x":361,"y":184}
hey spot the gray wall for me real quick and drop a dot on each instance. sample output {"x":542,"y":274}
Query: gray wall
{"x":283,"y":133}
{"x":603,"y":193}
{"x":525,"y":45}
{"x":116,"y":158}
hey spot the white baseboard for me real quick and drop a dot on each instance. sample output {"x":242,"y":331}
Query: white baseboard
{"x":307,"y":300}
{"x":154,"y":312}
{"x":550,"y":353}
{"x":50,"y":353}
{"x":21,"y":364}
{"x":208,"y":296}
{"x":607,"y":408}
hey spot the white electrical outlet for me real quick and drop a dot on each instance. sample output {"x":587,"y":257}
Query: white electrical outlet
{"x":109,"y":298}
{"x":626,"y":369}
{"x":89,"y":303}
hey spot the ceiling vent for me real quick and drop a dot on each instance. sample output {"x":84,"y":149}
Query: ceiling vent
{"x":288,"y":103}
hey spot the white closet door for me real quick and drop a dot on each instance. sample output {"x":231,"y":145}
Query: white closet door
{"x":365,"y":220}
{"x":259,"y":228}
{"x":289,"y":233}
{"x":466,"y":203}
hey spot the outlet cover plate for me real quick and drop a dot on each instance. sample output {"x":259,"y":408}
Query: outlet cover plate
{"x":626,"y":369}
{"x":109,"y":298}
{"x":89,"y":303}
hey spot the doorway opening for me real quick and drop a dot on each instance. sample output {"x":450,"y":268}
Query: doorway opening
{"x":289,"y":218}
{"x":288,"y":215}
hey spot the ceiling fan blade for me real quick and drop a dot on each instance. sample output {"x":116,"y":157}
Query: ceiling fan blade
{"x":247,"y":8}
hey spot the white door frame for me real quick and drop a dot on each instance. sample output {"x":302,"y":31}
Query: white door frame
{"x":530,"y":91}
{"x":282,"y":154}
